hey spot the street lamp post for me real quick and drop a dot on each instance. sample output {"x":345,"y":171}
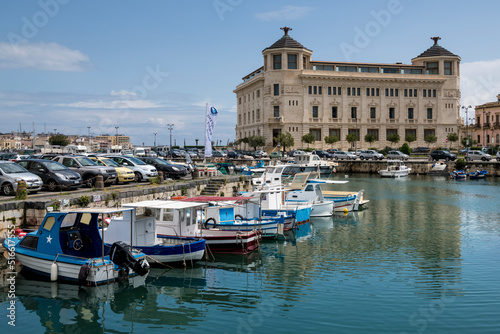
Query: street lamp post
{"x":155,"y":139}
{"x":170,"y":127}
{"x":116,"y":136}
{"x":90,"y":141}
{"x":466,"y":126}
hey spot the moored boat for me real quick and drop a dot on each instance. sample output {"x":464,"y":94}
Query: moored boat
{"x":478,"y":174}
{"x":68,"y":247}
{"x":395,"y":169}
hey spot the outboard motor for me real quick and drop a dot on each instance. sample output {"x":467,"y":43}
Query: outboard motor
{"x":121,"y":255}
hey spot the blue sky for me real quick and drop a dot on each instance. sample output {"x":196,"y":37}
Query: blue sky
{"x":139,"y":65}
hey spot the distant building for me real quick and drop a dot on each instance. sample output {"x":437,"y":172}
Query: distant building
{"x":487,"y":128}
{"x":293,"y":93}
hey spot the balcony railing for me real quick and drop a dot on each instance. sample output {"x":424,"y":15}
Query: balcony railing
{"x":279,"y":120}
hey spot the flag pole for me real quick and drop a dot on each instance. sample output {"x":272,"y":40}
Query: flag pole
{"x":205,"y":148}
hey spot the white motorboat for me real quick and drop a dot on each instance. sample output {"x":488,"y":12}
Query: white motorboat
{"x":309,"y":163}
{"x":395,"y":169}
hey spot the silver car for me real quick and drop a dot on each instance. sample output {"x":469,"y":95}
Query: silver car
{"x":477,"y":155}
{"x":343,"y":155}
{"x":10,"y":175}
{"x":397,"y":155}
{"x":371,"y":154}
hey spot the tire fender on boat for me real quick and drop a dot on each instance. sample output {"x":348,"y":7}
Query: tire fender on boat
{"x":240,"y":217}
{"x":53,"y":272}
{"x":208,"y":220}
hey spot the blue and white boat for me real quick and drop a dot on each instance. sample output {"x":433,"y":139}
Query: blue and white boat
{"x":142,"y":233}
{"x":458,"y":175}
{"x":68,"y":247}
{"x":478,"y":174}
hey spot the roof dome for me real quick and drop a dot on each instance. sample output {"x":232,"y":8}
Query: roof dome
{"x":436,"y":50}
{"x":286,"y":42}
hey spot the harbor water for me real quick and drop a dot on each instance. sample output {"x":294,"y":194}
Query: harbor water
{"x":422,"y":257}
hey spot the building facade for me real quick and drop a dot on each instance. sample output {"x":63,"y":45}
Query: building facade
{"x":293,"y":93}
{"x":487,"y":127}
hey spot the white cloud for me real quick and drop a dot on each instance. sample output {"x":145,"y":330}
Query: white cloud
{"x":479,"y":82}
{"x":42,"y":56}
{"x":287,"y":13}
{"x":117,"y":104}
{"x":122,"y":92}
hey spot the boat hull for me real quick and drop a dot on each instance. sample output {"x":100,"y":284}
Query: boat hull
{"x":175,"y":250}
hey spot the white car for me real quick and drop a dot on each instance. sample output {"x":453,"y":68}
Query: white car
{"x":141,"y":170}
{"x":10,"y":175}
{"x":343,"y":155}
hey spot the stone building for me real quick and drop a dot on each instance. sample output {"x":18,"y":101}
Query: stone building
{"x":293,"y":93}
{"x":487,"y":127}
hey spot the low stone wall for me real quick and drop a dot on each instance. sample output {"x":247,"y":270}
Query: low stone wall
{"x":30,"y":213}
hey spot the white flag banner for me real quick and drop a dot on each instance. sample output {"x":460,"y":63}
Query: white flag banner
{"x":212,"y":115}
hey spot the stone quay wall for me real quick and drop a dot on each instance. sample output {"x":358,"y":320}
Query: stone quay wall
{"x":29,"y":213}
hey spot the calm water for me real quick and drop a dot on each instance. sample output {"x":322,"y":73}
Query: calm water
{"x":424,"y":257}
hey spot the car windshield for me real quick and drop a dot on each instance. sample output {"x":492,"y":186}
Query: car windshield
{"x":12,"y":168}
{"x":84,"y":161}
{"x":160,"y":161}
{"x":54,"y":166}
{"x":110,"y":163}
{"x":136,"y":161}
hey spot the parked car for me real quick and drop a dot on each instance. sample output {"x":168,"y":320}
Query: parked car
{"x":442,"y":154}
{"x":10,"y":175}
{"x":343,"y":155}
{"x":477,"y":155}
{"x":276,"y":155}
{"x":142,"y":171}
{"x":234,"y":155}
{"x":397,"y":155}
{"x":332,"y":150}
{"x":323,"y":154}
{"x":293,"y":153}
{"x":262,"y":154}
{"x":498,"y":156}
{"x":218,"y":154}
{"x":370,"y":154}
{"x":169,"y":170}
{"x":420,"y":150}
{"x":55,"y":176}
{"x":124,"y":174}
{"x":87,"y":169}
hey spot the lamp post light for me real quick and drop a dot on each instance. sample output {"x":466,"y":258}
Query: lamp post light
{"x":466,"y":126}
{"x":170,"y":127}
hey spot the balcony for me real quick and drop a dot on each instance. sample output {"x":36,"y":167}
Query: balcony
{"x":314,"y":120}
{"x":276,"y":120}
{"x":410,"y":121}
{"x":496,"y":125}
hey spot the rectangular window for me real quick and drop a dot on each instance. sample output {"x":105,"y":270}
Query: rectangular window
{"x":373,"y":132}
{"x":368,"y":91}
{"x":389,"y":132}
{"x":396,"y":92}
{"x":276,"y":89}
{"x":334,"y":132}
{"x":429,"y":113}
{"x":358,"y":91}
{"x":410,"y":113}
{"x":345,"y":68}
{"x":373,"y":112}
{"x":316,"y":133}
{"x":258,"y":115}
{"x":239,"y":100}
{"x":432,"y":68}
{"x":276,"y":111}
{"x":320,"y":90}
{"x":387,"y":92}
{"x":354,"y":112}
{"x":424,"y":92}
{"x":392,"y":113}
{"x":433,"y":93}
{"x":329,"y":90}
{"x":334,"y":90}
{"x":339,"y":90}
{"x":348,"y":91}
{"x":276,"y":62}
{"x":368,"y":69}
{"x":412,"y":132}
{"x":447,"y":68}
{"x":416,"y":71}
{"x":334,"y":112}
{"x":429,"y":132}
{"x":315,"y":90}
{"x":258,"y":93}
{"x":310,"y":90}
{"x":292,"y":62}
{"x":315,"y":111}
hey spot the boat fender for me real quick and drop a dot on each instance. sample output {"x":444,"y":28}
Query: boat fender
{"x":240,"y":217}
{"x":53,"y":272}
{"x":83,"y":274}
{"x":208,"y":221}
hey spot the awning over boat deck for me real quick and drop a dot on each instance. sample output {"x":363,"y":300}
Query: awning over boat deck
{"x":164,"y":204}
{"x":104,"y":211}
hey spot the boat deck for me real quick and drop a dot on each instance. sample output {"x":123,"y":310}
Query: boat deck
{"x":341,"y":193}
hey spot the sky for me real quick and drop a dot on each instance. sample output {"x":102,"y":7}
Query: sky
{"x":67,"y":65}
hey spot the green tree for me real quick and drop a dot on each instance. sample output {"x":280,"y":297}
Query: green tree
{"x":472,"y":142}
{"x":256,"y":141}
{"x":351,"y":138}
{"x":284,"y":139}
{"x":410,"y":138}
{"x":308,"y":139}
{"x":405,"y":148}
{"x":369,"y":138}
{"x":430,"y":139}
{"x":59,"y":139}
{"x":452,"y":137}
{"x":394,"y":138}
{"x":331,"y":140}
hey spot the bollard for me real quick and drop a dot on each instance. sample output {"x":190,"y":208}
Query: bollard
{"x":21,"y":192}
{"x":99,"y":182}
{"x":160,"y":176}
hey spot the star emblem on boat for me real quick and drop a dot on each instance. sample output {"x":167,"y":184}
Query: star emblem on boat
{"x":49,"y":239}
